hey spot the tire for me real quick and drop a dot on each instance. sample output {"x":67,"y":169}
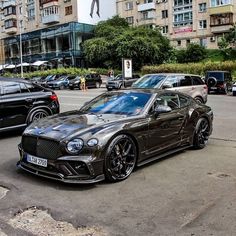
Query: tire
{"x":201,"y":134}
{"x":199,"y":99}
{"x":71,"y":88}
{"x":120,"y":158}
{"x":211,"y":82}
{"x":61,"y":87}
{"x":36,"y":115}
{"x":108,"y":89}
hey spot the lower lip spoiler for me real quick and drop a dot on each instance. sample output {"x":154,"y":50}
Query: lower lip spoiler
{"x":58,"y":176}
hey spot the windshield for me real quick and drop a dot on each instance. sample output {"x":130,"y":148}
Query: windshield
{"x":218,"y":75}
{"x":122,"y":103}
{"x":118,"y":77}
{"x":149,"y":81}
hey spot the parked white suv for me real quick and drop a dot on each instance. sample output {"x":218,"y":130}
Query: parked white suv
{"x":192,"y":85}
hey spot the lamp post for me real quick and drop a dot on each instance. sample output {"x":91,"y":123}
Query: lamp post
{"x":21,"y":56}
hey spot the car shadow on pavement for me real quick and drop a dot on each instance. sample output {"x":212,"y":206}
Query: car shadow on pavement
{"x":11,"y":134}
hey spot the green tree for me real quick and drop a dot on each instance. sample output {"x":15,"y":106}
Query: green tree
{"x":114,"y":40}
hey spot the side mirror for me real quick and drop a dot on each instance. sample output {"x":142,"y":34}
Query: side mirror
{"x":167,"y":86}
{"x":162,"y":109}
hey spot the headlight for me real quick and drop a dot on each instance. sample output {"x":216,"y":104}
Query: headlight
{"x":92,"y":142}
{"x":75,"y":145}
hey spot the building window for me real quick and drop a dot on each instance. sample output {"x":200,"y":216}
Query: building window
{"x":182,"y":2}
{"x":165,"y":29}
{"x":68,"y":10}
{"x":202,"y":24}
{"x":10,"y":23}
{"x":129,"y":6}
{"x":11,"y":10}
{"x":202,"y":7}
{"x":183,"y":19}
{"x":148,"y":1}
{"x":53,"y":10}
{"x":187,"y":42}
{"x":130,"y":20}
{"x":179,"y":43}
{"x":148,"y":15}
{"x":203,"y":42}
{"x":215,"y":3}
{"x":164,"y":14}
{"x":221,"y":19}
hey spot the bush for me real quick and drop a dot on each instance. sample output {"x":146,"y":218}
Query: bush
{"x":192,"y":68}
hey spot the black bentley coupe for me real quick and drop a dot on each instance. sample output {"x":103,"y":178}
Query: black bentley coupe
{"x":112,"y":134}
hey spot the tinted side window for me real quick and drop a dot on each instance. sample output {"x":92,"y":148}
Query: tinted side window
{"x":33,"y":87}
{"x":197,"y":80}
{"x":170,"y":100}
{"x":10,"y":87}
{"x":185,"y":81}
{"x":24,"y":88}
{"x":172,"y":80}
{"x":184,"y":101}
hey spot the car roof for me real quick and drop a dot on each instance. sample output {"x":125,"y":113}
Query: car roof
{"x":14,"y":79}
{"x":220,"y":71}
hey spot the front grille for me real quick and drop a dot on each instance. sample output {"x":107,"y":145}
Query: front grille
{"x":40,"y":147}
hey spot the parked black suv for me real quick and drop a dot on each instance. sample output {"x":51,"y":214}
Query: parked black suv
{"x":118,"y":82}
{"x":22,"y":102}
{"x":219,"y":81}
{"x":93,"y":80}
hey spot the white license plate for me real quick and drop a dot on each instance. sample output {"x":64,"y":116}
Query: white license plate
{"x":234,"y":89}
{"x":37,"y":161}
{"x":213,"y":87}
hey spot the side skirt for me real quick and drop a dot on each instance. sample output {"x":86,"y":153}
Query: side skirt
{"x":163,"y":155}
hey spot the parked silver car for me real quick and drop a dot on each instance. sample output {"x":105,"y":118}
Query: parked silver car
{"x":192,"y":85}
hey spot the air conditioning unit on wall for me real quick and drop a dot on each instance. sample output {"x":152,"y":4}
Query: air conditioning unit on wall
{"x":212,"y":39}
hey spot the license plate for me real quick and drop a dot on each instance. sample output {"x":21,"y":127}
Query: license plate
{"x":234,"y":89}
{"x":37,"y":161}
{"x":213,"y":87}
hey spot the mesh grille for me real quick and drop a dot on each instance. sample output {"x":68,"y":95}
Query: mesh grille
{"x":39,"y":147}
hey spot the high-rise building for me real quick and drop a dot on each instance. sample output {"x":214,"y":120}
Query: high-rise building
{"x":49,"y":30}
{"x":182,"y":21}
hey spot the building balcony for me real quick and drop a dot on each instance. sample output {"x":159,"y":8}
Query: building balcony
{"x":221,"y":9}
{"x":147,"y":21}
{"x":9,"y":3}
{"x":147,"y":6}
{"x":12,"y":16}
{"x":11,"y":30}
{"x":51,"y":19}
{"x":220,"y":29}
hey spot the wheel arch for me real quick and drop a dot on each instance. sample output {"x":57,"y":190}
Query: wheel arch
{"x":36,"y":108}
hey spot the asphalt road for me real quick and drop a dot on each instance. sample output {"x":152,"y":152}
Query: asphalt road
{"x":189,"y":193}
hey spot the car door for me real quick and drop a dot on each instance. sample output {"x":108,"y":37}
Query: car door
{"x":89,"y":81}
{"x":165,"y":128}
{"x":15,"y":103}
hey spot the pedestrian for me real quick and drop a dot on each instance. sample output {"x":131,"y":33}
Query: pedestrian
{"x":92,"y":8}
{"x":111,"y":74}
{"x":83,"y":83}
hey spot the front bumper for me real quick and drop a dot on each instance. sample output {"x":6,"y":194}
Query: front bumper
{"x":67,"y":169}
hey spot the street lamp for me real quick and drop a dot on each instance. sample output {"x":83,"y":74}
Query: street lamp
{"x":21,"y":56}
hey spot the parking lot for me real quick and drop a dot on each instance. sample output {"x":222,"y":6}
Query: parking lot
{"x":189,"y":193}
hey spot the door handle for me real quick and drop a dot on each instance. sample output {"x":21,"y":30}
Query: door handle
{"x":28,"y":99}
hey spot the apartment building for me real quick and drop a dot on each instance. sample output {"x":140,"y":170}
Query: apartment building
{"x":49,"y":30}
{"x":182,"y":21}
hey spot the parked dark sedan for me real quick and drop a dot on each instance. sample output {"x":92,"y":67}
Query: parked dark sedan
{"x":22,"y":102}
{"x":93,"y":80}
{"x":60,"y":83}
{"x":112,"y":134}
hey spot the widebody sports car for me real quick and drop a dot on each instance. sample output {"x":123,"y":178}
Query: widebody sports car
{"x":112,"y":134}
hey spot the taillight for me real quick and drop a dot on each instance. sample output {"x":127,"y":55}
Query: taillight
{"x":54,"y":97}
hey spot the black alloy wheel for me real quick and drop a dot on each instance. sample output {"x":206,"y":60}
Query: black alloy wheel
{"x":37,"y":114}
{"x":201,"y":135}
{"x":120,"y":158}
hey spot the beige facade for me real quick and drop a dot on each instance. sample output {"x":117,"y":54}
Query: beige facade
{"x":182,"y":21}
{"x":49,"y":30}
